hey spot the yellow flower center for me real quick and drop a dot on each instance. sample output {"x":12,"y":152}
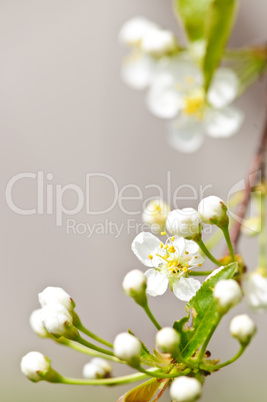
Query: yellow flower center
{"x":194,"y":104}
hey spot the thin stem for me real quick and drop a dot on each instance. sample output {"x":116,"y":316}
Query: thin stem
{"x":86,"y":351}
{"x":109,"y":381}
{"x":199,"y":273}
{"x":151,"y":316}
{"x":94,"y":347}
{"x":230,"y":361}
{"x":225,"y":230}
{"x":206,"y":251}
{"x":163,"y":376}
{"x":93,"y":336}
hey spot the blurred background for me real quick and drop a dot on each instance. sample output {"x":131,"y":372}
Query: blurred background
{"x":64,"y":111}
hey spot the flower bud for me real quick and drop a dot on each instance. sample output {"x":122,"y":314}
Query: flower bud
{"x":158,"y":42}
{"x":155,"y":215}
{"x":58,"y":321}
{"x":36,"y":323}
{"x":168,"y":340}
{"x":255,"y":289}
{"x":227,"y":292}
{"x":243,"y":328}
{"x":185,"y":389}
{"x":184,"y":223}
{"x":35,"y":366}
{"x":97,"y":368}
{"x":127,"y":347}
{"x":133,"y":30}
{"x":134,"y":285}
{"x":56,"y":295}
{"x":213,"y":211}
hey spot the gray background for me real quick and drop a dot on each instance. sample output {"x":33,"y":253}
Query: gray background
{"x":64,"y":110}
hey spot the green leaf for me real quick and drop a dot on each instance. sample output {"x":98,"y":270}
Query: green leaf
{"x":193,"y":14}
{"x":146,"y":391}
{"x":220,"y":20}
{"x":202,"y":308}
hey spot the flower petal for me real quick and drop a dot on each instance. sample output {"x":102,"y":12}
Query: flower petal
{"x":157,"y":283}
{"x":186,"y":288}
{"x":185,"y":134}
{"x":224,"y":88}
{"x":137,"y":70}
{"x":224,"y":122}
{"x":143,"y":245}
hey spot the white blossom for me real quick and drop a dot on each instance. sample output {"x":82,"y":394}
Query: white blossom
{"x":158,"y":42}
{"x":56,"y":319}
{"x":184,"y":222}
{"x":255,"y":290}
{"x":169,"y":264}
{"x":243,"y":328}
{"x":96,"y":368}
{"x":168,"y":340}
{"x":227,"y":292}
{"x":134,"y":285}
{"x":176,"y":92}
{"x":127,"y":347}
{"x":36,"y":323}
{"x":35,"y":366}
{"x":155,"y":214}
{"x":56,"y":295}
{"x":185,"y":389}
{"x":133,"y":31}
{"x":213,"y":210}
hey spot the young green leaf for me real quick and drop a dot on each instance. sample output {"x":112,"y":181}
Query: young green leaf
{"x":203,"y":309}
{"x":146,"y":391}
{"x":193,"y":15}
{"x":220,"y":19}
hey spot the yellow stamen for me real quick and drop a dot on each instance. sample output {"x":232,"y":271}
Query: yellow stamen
{"x":163,"y":233}
{"x":150,"y":256}
{"x":199,"y":265}
{"x":173,"y":238}
{"x":161,"y":245}
{"x":171,"y":249}
{"x":186,"y":252}
{"x":166,"y":247}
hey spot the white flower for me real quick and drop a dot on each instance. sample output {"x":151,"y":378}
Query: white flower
{"x":158,"y":42}
{"x":134,"y":285}
{"x":168,"y":340}
{"x":176,"y":92}
{"x":96,"y":368}
{"x":138,"y":69}
{"x":185,"y":389}
{"x":255,"y":290}
{"x":127,"y":347}
{"x":56,"y":319}
{"x":227,"y":292}
{"x":213,"y":210}
{"x":133,"y":30}
{"x":35,"y":366}
{"x":184,"y":222}
{"x":56,"y":295}
{"x":243,"y":328}
{"x":169,"y":264}
{"x":36,"y":323}
{"x":155,"y":214}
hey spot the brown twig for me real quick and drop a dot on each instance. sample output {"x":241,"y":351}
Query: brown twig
{"x":257,"y":163}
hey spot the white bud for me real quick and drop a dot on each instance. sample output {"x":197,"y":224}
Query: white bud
{"x":56,"y":295}
{"x":227,"y":292}
{"x":127,"y":347}
{"x":168,"y":340}
{"x":36,"y":323}
{"x":185,"y":389}
{"x":213,"y":211}
{"x":158,"y":42}
{"x":56,"y":319}
{"x":184,"y":223}
{"x":155,"y":215}
{"x":97,"y":368}
{"x":134,"y":285}
{"x":243,"y":328}
{"x":133,"y":30}
{"x":255,"y":289}
{"x":35,"y":366}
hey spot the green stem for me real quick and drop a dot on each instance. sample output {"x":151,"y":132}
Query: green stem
{"x":225,"y":230}
{"x":150,"y":315}
{"x":86,"y":351}
{"x":93,"y":336}
{"x":199,"y":273}
{"x":219,"y":366}
{"x":163,"y":376}
{"x":206,"y":251}
{"x":94,"y":347}
{"x":206,"y":342}
{"x":109,"y":381}
{"x":263,"y":234}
